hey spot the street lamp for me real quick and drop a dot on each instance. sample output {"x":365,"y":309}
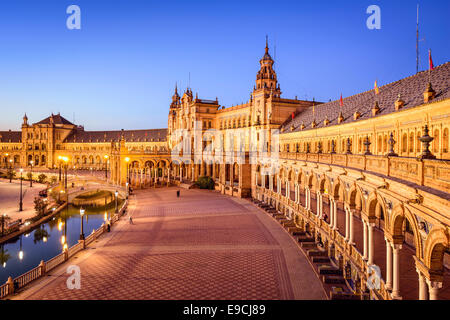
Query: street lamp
{"x":59,"y":162}
{"x":10,"y":168}
{"x":66,"y":160}
{"x":128,"y":176}
{"x":31,"y":171}
{"x":20,"y":201}
{"x":106,"y":166}
{"x":117,"y":208}
{"x":82,"y":231}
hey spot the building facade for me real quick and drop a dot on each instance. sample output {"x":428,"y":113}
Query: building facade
{"x":367,"y":176}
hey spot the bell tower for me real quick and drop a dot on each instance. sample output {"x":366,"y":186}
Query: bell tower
{"x":266,"y":78}
{"x":265,"y":90}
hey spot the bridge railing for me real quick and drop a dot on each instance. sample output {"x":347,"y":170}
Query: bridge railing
{"x":12,"y":285}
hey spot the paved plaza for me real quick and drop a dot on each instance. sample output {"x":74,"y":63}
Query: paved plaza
{"x":203,"y":245}
{"x":10,"y":195}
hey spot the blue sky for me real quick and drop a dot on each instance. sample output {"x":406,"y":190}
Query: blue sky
{"x":120,"y":69}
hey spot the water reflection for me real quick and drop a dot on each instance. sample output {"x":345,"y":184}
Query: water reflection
{"x":25,"y":252}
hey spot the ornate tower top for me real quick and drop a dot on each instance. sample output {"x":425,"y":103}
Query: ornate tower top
{"x":25,"y":119}
{"x":266,"y":78}
{"x":175,"y":99}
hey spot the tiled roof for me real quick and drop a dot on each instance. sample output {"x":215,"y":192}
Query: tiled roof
{"x":57,"y":119}
{"x":10,"y":136}
{"x":410,"y":88}
{"x":129,"y":135}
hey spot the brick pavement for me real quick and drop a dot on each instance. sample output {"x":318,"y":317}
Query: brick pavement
{"x":201,"y":246}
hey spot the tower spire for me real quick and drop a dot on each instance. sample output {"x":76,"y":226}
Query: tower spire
{"x":267,"y":44}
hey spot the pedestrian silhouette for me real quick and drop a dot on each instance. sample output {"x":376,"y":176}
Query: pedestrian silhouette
{"x":178,"y":193}
{"x":131,"y":220}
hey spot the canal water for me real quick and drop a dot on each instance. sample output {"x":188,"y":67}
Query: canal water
{"x":25,"y":252}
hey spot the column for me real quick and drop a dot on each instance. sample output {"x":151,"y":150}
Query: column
{"x":388,"y":265}
{"x":347,"y":224}
{"x":350,"y":217}
{"x":434,"y":287}
{"x":318,"y":202}
{"x":371,"y":243}
{"x":364,"y":240}
{"x":423,"y":288}
{"x":307,"y":199}
{"x":278,"y":185}
{"x":288,"y":191}
{"x":396,"y":272}
{"x":296,"y":192}
{"x":181,"y":174}
{"x":331,"y":211}
{"x":334,"y":214}
{"x":270,"y":182}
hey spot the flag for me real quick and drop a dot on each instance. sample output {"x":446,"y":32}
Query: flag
{"x":377,"y":91}
{"x":341,"y":102}
{"x":430,"y":60}
{"x":293,"y":116}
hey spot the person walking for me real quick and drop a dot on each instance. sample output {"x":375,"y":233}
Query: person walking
{"x":131,"y":220}
{"x":178,"y":193}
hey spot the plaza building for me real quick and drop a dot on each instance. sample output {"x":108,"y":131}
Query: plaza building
{"x":366,"y":176}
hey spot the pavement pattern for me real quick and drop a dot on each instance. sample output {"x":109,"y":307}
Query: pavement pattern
{"x":10,"y":195}
{"x":203,"y":245}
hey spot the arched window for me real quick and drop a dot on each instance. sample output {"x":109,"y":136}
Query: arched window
{"x":436,"y":141}
{"x":404,"y":142}
{"x":418,"y":144}
{"x":445,"y":141}
{"x":411,"y":142}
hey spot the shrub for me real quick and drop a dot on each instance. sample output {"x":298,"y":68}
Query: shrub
{"x":53,"y":180}
{"x":205,"y":182}
{"x":41,"y":178}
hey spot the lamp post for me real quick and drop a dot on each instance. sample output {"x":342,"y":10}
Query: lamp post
{"x":106,"y":166}
{"x":59,"y":158}
{"x":6,"y":160}
{"x":66,"y":160}
{"x":117,"y":208}
{"x":31,"y":171}
{"x":128,"y":176}
{"x":82,"y":231}
{"x":10,"y":169}
{"x":20,"y":201}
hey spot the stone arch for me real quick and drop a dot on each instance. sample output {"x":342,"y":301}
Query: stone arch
{"x":436,"y":244}
{"x":399,"y":215}
{"x":354,"y":197}
{"x":338,"y":191}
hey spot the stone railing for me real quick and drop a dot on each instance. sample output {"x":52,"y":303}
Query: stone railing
{"x":348,"y":251}
{"x":12,"y":285}
{"x":430,"y":173}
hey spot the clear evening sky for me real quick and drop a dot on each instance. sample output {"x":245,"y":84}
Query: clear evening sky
{"x":120,"y":69}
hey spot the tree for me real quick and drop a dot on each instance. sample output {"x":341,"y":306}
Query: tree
{"x":40,"y":206}
{"x":29,"y":176}
{"x":53,"y":180}
{"x":41,"y":178}
{"x":10,"y":174}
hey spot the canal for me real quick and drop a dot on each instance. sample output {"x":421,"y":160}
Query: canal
{"x":25,"y":252}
